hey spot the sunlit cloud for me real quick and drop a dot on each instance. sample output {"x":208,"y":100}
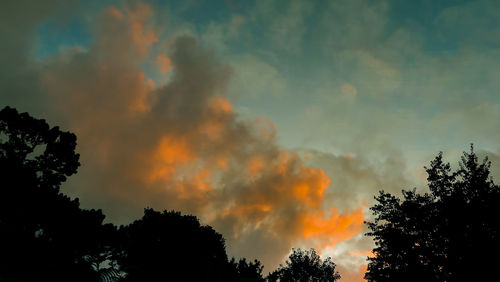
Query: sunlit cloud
{"x":274,"y":121}
{"x":181,"y":145}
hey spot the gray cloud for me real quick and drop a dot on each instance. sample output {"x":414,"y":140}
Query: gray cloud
{"x":285,"y":23}
{"x":181,"y":145}
{"x":380,"y":104}
{"x":18,"y":25}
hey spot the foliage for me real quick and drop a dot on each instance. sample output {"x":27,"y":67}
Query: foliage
{"x":444,"y":235}
{"x":170,"y":246}
{"x":44,"y":235}
{"x":29,"y":145}
{"x":244,"y":271}
{"x":305,"y":266}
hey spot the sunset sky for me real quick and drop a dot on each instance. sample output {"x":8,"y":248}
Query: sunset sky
{"x":275,"y":122}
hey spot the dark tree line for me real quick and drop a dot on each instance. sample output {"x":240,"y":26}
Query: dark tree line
{"x":46,"y":236}
{"x":450,"y":233}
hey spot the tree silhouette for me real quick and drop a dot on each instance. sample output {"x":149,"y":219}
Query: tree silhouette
{"x":305,"y":266}
{"x":44,"y":235}
{"x":244,"y":271}
{"x":444,"y":235}
{"x":170,"y":246}
{"x":30,"y":146}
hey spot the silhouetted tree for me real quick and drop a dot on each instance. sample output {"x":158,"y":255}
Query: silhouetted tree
{"x":44,"y":235}
{"x":305,"y":266}
{"x":448,"y":234}
{"x":244,"y":271}
{"x":168,"y":246}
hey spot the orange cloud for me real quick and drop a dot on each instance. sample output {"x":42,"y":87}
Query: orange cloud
{"x":218,"y":112}
{"x":255,"y":166}
{"x":181,"y":145}
{"x":164,"y":63}
{"x":333,"y":228}
{"x":170,"y":153}
{"x":196,"y":185}
{"x":142,"y":35}
{"x":365,"y":253}
{"x":220,"y":105}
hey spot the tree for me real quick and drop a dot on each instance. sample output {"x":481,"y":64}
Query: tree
{"x":244,"y":271}
{"x":174,"y":247}
{"x":30,"y":146}
{"x":444,"y":235}
{"x":305,"y":266}
{"x":44,"y":235}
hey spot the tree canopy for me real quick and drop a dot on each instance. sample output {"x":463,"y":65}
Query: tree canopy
{"x":44,"y":235}
{"x":168,"y":245}
{"x":305,"y":266}
{"x":443,"y":235}
{"x":246,"y":271}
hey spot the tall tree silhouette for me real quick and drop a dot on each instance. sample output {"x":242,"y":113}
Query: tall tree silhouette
{"x":168,"y":246}
{"x":44,"y":235}
{"x":305,"y":266}
{"x":448,"y":234}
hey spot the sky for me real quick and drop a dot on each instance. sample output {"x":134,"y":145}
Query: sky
{"x":275,"y":122}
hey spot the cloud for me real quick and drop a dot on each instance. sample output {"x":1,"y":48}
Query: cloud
{"x":476,"y":18}
{"x":352,"y":24}
{"x":356,"y":179}
{"x":151,"y":107}
{"x":255,"y":78}
{"x":219,"y":34}
{"x":19,"y":21}
{"x":285,"y":22}
{"x":164,"y":63}
{"x":411,"y":88}
{"x":182,"y":145}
